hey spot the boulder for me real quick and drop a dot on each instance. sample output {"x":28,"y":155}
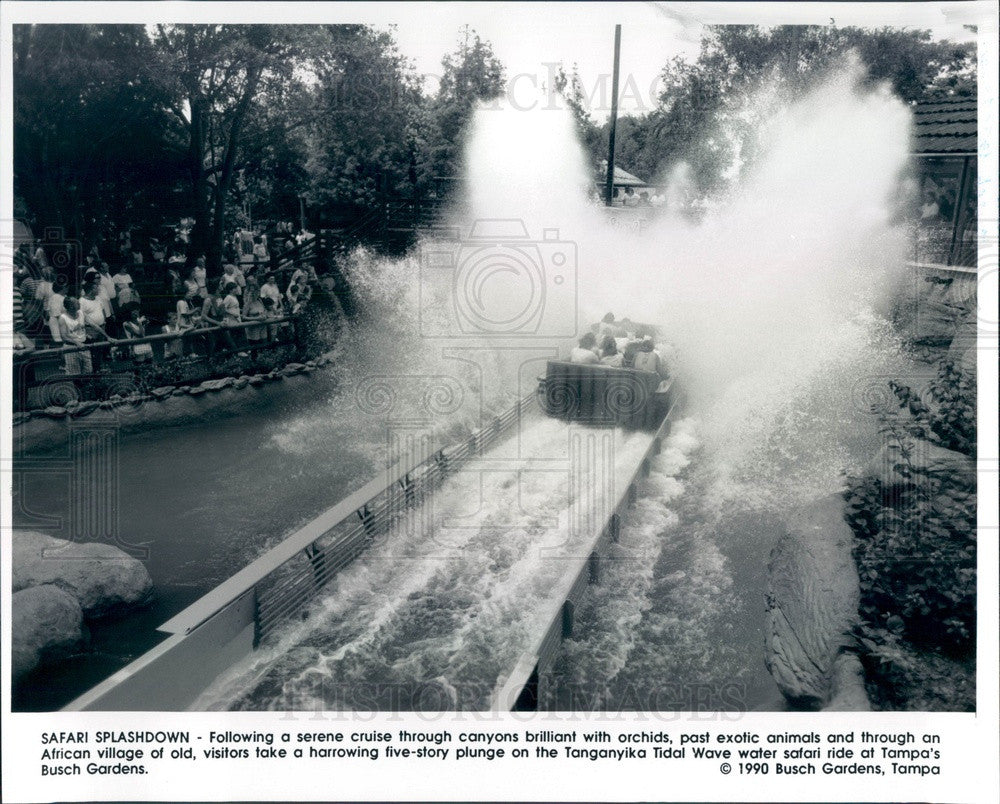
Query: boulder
{"x":848,"y":692}
{"x":935,"y":460}
{"x":941,"y":307}
{"x":46,"y":624}
{"x":812,"y":603}
{"x":85,"y":408}
{"x":217,"y":385}
{"x":103,"y":579}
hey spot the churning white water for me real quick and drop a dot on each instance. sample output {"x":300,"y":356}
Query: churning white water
{"x":773,"y":300}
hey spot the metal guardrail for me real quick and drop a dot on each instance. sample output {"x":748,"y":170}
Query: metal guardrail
{"x":532,"y":663}
{"x":288,"y":577}
{"x":228,"y":623}
{"x":118,"y":343}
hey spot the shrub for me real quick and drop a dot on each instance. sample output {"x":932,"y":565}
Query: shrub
{"x":915,"y":550}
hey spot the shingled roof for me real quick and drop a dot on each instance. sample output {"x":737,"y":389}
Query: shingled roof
{"x":945,"y":125}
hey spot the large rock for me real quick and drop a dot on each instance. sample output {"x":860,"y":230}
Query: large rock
{"x":46,"y":624}
{"x":942,"y":304}
{"x":103,"y":579}
{"x":848,"y":692}
{"x":935,"y":461}
{"x":812,"y":603}
{"x":963,"y":351}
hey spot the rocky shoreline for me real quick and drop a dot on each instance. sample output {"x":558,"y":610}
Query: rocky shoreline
{"x":58,"y":587}
{"x":821,"y":645}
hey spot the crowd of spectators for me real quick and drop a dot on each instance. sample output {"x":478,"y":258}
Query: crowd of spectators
{"x":90,"y":303}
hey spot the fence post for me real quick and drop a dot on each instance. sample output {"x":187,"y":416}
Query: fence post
{"x":409,"y":493}
{"x":442,"y":461}
{"x":317,"y":559}
{"x":368,"y":521}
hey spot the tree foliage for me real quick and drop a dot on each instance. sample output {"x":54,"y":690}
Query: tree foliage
{"x":370,"y":132}
{"x":472,"y":74}
{"x":89,"y":129}
{"x":703,"y":117}
{"x":219,"y":77}
{"x":120,"y":126}
{"x":129,"y":126}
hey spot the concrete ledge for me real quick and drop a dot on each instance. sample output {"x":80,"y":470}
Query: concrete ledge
{"x":45,"y":429}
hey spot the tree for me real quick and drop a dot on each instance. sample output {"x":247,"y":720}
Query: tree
{"x":704,"y":100}
{"x":90,"y":132}
{"x":570,"y":88}
{"x":369,"y":131}
{"x":472,"y":74}
{"x":218,"y":75}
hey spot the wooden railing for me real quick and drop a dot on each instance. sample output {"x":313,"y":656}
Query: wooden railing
{"x":42,"y":368}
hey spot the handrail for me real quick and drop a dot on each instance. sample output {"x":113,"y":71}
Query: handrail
{"x":247,"y":579}
{"x":166,"y":336}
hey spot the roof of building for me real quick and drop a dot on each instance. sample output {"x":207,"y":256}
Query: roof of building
{"x":945,"y":125}
{"x":622,"y":177}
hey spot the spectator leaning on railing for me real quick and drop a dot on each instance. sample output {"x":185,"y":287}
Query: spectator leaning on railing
{"x":93,"y":309}
{"x":54,"y":308}
{"x":73,"y":331}
{"x":254,"y":310}
{"x":135,"y":327}
{"x":270,"y":290}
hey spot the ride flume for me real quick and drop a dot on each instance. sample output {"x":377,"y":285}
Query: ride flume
{"x":611,"y":422}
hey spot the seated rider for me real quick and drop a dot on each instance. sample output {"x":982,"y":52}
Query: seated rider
{"x":610,"y":356}
{"x":646,"y":359}
{"x":584,"y":353}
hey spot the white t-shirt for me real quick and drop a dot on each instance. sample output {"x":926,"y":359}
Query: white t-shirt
{"x":75,"y":327}
{"x":237,"y":279}
{"x":106,"y":292}
{"x":231,"y":306}
{"x":269,"y":291}
{"x":93,"y":311}
{"x":54,"y":304}
{"x":185,"y":314}
{"x":108,"y":285}
{"x":580,"y":355}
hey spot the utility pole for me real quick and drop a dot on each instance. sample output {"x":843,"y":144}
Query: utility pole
{"x":609,"y":187}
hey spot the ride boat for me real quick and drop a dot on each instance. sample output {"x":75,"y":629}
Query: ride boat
{"x":637,"y":395}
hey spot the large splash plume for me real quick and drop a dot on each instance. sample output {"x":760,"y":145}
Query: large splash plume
{"x":772,"y":291}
